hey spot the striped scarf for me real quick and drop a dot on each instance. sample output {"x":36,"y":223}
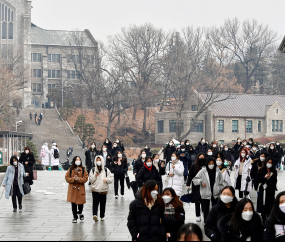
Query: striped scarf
{"x":169,"y":210}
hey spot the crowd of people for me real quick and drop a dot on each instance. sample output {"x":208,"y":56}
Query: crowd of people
{"x":38,"y":119}
{"x":157,"y":212}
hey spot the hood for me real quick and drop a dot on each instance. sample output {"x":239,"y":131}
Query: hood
{"x":223,"y":224}
{"x":103,"y":162}
{"x":222,"y":205}
{"x":44,"y":146}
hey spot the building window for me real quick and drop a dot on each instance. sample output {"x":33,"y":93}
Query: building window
{"x":194,"y":108}
{"x":37,"y":73}
{"x":54,"y":74}
{"x":277,"y":111}
{"x":277,"y":126}
{"x":54,"y":58}
{"x":249,"y":126}
{"x":72,"y":75}
{"x":73,"y":58}
{"x":160,"y":126}
{"x":4,"y":30}
{"x":222,"y":141}
{"x":36,"y":57}
{"x":198,"y":126}
{"x":36,"y":87}
{"x":50,"y":88}
{"x":36,"y":103}
{"x":235,"y":126}
{"x":181,"y":126}
{"x":221,"y":126}
{"x":259,"y":126}
{"x":172,"y":126}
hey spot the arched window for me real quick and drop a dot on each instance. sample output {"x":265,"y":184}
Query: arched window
{"x":4,"y":30}
{"x":6,"y":22}
{"x":10,"y":31}
{"x":12,"y":16}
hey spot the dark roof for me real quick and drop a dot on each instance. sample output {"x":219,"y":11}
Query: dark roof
{"x":41,"y":36}
{"x":244,"y":105}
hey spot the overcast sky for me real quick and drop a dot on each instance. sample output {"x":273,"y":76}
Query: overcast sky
{"x":107,"y":17}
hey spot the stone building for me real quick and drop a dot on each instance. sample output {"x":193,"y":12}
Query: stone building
{"x":44,"y":53}
{"x":242,"y":115}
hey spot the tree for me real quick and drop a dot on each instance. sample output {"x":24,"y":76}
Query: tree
{"x":88,"y":132}
{"x":79,"y":125}
{"x":67,"y":110}
{"x":33,"y":148}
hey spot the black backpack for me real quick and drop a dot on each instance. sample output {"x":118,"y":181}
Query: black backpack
{"x":55,"y":153}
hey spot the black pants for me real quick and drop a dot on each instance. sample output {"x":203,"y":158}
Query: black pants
{"x":198,"y":209}
{"x":55,"y":168}
{"x":116,"y":185}
{"x":238,"y":187}
{"x":185,"y":177}
{"x":206,"y":206}
{"x":99,"y":199}
{"x":74,"y":210}
{"x":16,"y":194}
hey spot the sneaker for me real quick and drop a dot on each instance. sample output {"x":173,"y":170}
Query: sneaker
{"x":95,"y":218}
{"x":14,"y":210}
{"x":198,"y":219}
{"x":81,"y":217}
{"x":122,"y":196}
{"x":74,"y":221}
{"x":102,"y":219}
{"x":116,"y":196}
{"x":20,"y":207}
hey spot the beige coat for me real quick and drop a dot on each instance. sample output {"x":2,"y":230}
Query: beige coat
{"x":97,"y":183}
{"x":76,"y":189}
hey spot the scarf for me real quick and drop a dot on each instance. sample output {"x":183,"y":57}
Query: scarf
{"x":149,"y":168}
{"x":169,"y":211}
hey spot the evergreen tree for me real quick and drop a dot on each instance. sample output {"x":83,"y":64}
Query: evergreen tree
{"x":33,"y":148}
{"x":79,"y":125}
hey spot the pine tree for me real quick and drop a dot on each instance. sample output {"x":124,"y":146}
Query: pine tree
{"x":33,"y":148}
{"x":79,"y":125}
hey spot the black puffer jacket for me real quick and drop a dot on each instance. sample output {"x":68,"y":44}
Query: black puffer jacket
{"x":201,"y":148}
{"x":119,"y":171}
{"x":138,"y":165}
{"x":146,"y":175}
{"x":270,"y":235}
{"x":214,"y":216}
{"x":256,"y":165}
{"x":109,"y":146}
{"x":29,"y":167}
{"x":145,"y":222}
{"x":88,"y":158}
{"x":114,"y":151}
{"x":274,"y":155}
{"x":196,"y":197}
{"x":237,"y":149}
{"x":247,"y":229}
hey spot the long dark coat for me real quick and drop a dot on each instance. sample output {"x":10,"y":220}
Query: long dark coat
{"x":29,"y":167}
{"x":196,"y":197}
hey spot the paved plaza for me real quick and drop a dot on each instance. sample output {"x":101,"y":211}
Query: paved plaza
{"x":47,"y":216}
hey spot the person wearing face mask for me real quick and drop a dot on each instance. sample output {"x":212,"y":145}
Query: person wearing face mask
{"x":250,"y":143}
{"x":145,"y":219}
{"x":185,"y":159}
{"x":274,"y":155}
{"x":45,"y":156}
{"x":27,"y":159}
{"x":237,"y":147}
{"x":211,"y":183}
{"x":168,"y":151}
{"x":115,"y":150}
{"x":223,"y":165}
{"x":108,"y":144}
{"x":139,"y":163}
{"x":119,"y":169}
{"x":90,"y":156}
{"x":202,"y":147}
{"x":243,"y":225}
{"x":175,"y":171}
{"x":280,"y":152}
{"x":226,"y":205}
{"x":149,"y":172}
{"x":120,"y":145}
{"x":274,"y":226}
{"x":174,"y":214}
{"x":214,"y":148}
{"x":264,"y":148}
{"x":54,"y":157}
{"x":228,"y":154}
{"x":190,"y":232}
{"x":242,"y":172}
{"x":100,"y":178}
{"x":107,"y":157}
{"x":209,"y":153}
{"x":148,"y":151}
{"x":254,"y":153}
{"x":76,"y":176}
{"x":13,"y":182}
{"x":267,"y":185}
{"x":159,"y":164}
{"x":196,"y":197}
{"x":256,"y":165}
{"x":190,"y":150}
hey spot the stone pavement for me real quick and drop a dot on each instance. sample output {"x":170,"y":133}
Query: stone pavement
{"x":47,"y":216}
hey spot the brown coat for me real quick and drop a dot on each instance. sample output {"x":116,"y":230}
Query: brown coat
{"x":76,"y":189}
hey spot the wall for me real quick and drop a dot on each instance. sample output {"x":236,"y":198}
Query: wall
{"x":271,"y":114}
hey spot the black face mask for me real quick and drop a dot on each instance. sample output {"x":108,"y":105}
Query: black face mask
{"x":202,"y":162}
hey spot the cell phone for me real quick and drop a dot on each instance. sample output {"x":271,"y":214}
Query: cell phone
{"x":97,"y":172}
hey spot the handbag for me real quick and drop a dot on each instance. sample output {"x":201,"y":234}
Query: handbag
{"x":26,"y":188}
{"x":167,"y":177}
{"x":35,"y":175}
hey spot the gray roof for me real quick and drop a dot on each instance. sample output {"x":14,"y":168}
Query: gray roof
{"x":244,"y":105}
{"x":58,"y":37}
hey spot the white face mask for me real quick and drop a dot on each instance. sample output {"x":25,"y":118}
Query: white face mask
{"x":250,"y":142}
{"x":277,"y":143}
{"x":146,"y":147}
{"x":182,"y":150}
{"x":115,"y":146}
{"x":187,"y":144}
{"x":271,"y":147}
{"x":170,"y":144}
{"x":154,"y":193}
{"x":226,"y":149}
{"x":242,"y":155}
{"x":107,"y":142}
{"x":203,"y":141}
{"x":120,"y":155}
{"x":156,"y":161}
{"x":15,"y":163}
{"x":244,"y":143}
{"x":143,"y":155}
{"x":117,"y":141}
{"x":93,"y":146}
{"x":167,"y":199}
{"x":262,"y":159}
{"x":226,"y":199}
{"x":254,"y":149}
{"x":219,"y":163}
{"x":264,"y":147}
{"x":99,"y":163}
{"x":268,"y":165}
{"x":214,"y":146}
{"x":210,"y":153}
{"x":173,"y":158}
{"x":149,"y":164}
{"x":104,"y":149}
{"x":239,"y":140}
{"x":78,"y":163}
{"x":247,"y":216}
{"x":211,"y":167}
{"x":282,"y":207}
{"x":27,"y":152}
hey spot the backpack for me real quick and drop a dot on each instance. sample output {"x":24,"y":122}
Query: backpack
{"x":43,"y":152}
{"x":55,"y":153}
{"x":83,"y":169}
{"x":105,"y":168}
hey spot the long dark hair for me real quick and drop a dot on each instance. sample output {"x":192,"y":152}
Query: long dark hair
{"x":263,"y":169}
{"x":221,"y":155}
{"x":271,"y":151}
{"x":197,"y":165}
{"x":231,"y":189}
{"x":276,"y":213}
{"x":123,"y":157}
{"x":12,"y":160}
{"x":236,"y":220}
{"x":148,"y":187}
{"x":95,"y":149}
{"x":188,"y":230}
{"x":73,"y":166}
{"x":175,"y":201}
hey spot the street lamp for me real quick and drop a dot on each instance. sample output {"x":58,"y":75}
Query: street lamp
{"x":149,"y":139}
{"x":17,"y":124}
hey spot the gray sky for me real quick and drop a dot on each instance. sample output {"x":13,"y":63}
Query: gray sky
{"x":107,"y":17}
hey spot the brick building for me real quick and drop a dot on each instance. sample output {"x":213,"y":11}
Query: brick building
{"x":44,"y":53}
{"x":242,"y":115}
